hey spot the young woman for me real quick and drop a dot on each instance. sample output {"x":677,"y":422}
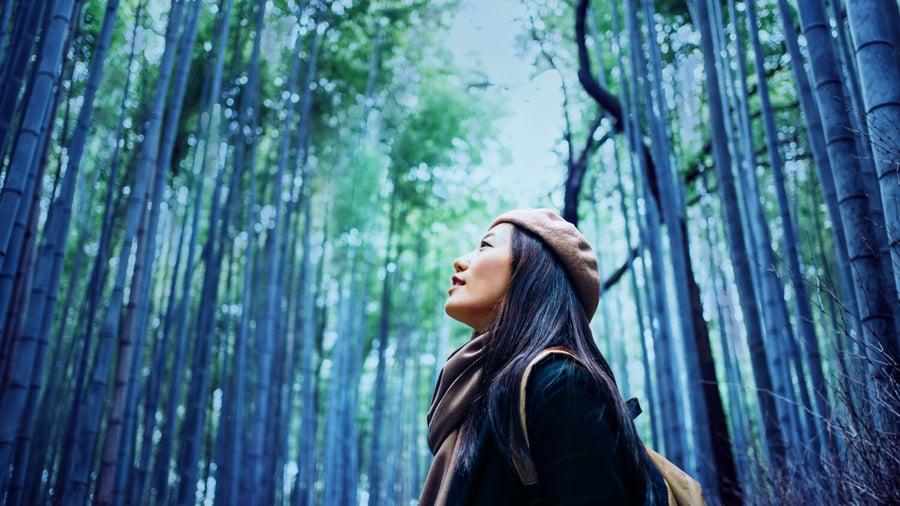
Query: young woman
{"x":532,"y":283}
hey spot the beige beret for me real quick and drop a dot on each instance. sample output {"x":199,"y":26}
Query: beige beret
{"x":570,"y":247}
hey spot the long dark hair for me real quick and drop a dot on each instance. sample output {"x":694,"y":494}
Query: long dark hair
{"x":540,"y":309}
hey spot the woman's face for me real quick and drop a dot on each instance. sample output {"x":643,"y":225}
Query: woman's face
{"x":482,"y":278}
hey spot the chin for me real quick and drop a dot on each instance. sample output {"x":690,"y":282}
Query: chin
{"x":453,"y":310}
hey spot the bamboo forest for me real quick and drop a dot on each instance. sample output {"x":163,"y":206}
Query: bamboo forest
{"x":227,"y":229}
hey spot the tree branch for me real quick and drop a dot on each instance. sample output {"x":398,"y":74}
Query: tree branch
{"x":606,"y":100}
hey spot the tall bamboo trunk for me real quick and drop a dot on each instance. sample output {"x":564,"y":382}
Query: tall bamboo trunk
{"x":303,"y":489}
{"x":179,"y":325}
{"x":724,"y":312}
{"x":91,"y":414}
{"x":802,"y":304}
{"x":674,"y":437}
{"x":194,"y":425}
{"x":779,"y":332}
{"x":737,"y":246}
{"x":97,"y":280}
{"x":871,"y":284}
{"x":874,"y":29}
{"x":34,"y":115}
{"x":376,"y":457}
{"x":15,"y":63}
{"x":20,"y":461}
{"x":273,"y":300}
{"x":132,"y":336}
{"x":719,"y":471}
{"x":334,"y":466}
{"x":636,"y":294}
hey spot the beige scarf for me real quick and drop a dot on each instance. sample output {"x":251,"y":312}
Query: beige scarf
{"x":456,"y":385}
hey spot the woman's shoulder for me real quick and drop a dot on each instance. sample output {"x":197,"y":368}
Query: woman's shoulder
{"x":559,"y":376}
{"x":554,"y":368}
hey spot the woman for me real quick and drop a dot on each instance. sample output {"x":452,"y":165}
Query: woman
{"x":531,"y":283}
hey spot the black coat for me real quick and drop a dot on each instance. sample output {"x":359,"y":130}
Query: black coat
{"x":573,"y":446}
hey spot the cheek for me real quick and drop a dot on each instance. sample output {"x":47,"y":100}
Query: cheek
{"x":487,"y":281}
{"x":491,"y":279}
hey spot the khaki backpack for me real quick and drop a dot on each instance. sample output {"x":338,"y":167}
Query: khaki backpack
{"x":682,"y":490}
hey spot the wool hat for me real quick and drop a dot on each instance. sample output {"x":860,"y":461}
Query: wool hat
{"x":568,"y":244}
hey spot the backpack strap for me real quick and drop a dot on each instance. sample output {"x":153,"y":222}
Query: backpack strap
{"x":681,"y":489}
{"x":525,"y":468}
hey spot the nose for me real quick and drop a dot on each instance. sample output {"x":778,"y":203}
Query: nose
{"x":461,"y":263}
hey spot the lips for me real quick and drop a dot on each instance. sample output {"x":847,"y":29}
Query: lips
{"x":457,"y":281}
